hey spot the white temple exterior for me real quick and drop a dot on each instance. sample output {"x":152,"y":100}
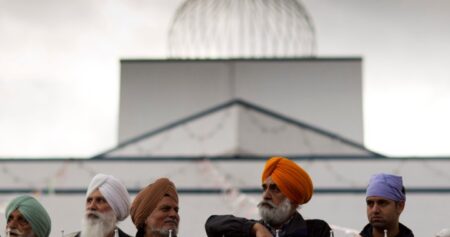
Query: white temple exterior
{"x":232,"y":92}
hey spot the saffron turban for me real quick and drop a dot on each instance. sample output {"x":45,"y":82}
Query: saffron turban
{"x":291,"y":179}
{"x":146,"y":200}
{"x":33,"y":212}
{"x":387,"y":186}
{"x":115,"y":193}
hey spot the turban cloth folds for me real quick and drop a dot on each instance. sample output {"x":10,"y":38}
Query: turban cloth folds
{"x":33,"y":212}
{"x":148,"y":198}
{"x":115,"y":193}
{"x":291,"y":179}
{"x":386,"y":186}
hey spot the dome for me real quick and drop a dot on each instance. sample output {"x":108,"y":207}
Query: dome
{"x":241,"y":29}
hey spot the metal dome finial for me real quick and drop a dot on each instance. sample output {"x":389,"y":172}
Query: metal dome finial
{"x":241,"y":29}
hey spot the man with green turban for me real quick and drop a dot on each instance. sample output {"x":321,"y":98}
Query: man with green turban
{"x":26,"y":217}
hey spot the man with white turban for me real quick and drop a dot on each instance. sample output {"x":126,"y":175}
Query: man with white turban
{"x":286,"y":186}
{"x":107,"y":203}
{"x":443,"y":233}
{"x":385,"y":199}
{"x":26,"y":217}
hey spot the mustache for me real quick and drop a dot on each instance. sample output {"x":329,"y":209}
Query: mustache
{"x":375,"y":217}
{"x":172,"y":220}
{"x":266,"y":202}
{"x":14,"y":232}
{"x":94,"y":214}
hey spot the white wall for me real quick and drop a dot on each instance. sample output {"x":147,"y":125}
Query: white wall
{"x":425,"y":213}
{"x":326,"y":93}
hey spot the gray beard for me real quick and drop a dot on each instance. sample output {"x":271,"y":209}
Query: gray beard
{"x":17,"y":232}
{"x":164,"y":232}
{"x":276,"y":215}
{"x":98,"y":227}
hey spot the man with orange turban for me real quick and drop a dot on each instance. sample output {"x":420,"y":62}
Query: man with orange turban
{"x":154,"y":211}
{"x":286,"y":186}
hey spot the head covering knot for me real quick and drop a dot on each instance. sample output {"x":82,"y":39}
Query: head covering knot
{"x":387,"y":186}
{"x":291,"y":179}
{"x":146,"y":200}
{"x":33,"y":212}
{"x":115,"y":193}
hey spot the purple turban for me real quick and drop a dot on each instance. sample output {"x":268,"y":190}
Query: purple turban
{"x":387,"y":186}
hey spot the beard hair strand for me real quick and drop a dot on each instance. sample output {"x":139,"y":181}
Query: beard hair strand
{"x":104,"y":224}
{"x":275,"y":215}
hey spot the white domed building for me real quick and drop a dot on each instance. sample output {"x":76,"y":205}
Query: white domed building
{"x":241,"y":83}
{"x":241,"y":29}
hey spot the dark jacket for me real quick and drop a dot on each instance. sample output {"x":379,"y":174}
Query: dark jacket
{"x":404,"y":231}
{"x":77,"y":234}
{"x":231,"y":226}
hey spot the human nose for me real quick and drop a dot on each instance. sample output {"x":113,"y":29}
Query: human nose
{"x":173,"y":214}
{"x":11,"y":224}
{"x":267,"y":195}
{"x":375,"y":208}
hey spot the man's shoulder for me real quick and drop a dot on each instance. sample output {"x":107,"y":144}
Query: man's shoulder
{"x":366,"y":231}
{"x":316,"y":222}
{"x":317,"y":225}
{"x":123,"y":234}
{"x":77,"y":234}
{"x":310,"y":223}
{"x":74,"y":234}
{"x":405,"y":231}
{"x":309,"y":227}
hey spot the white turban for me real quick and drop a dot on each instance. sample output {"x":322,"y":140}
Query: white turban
{"x":114,"y":192}
{"x":443,"y":233}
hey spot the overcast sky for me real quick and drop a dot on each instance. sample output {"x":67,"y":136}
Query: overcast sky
{"x":59,"y":69}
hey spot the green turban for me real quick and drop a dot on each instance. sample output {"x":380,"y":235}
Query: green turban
{"x":33,"y":212}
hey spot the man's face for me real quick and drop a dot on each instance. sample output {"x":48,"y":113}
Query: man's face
{"x":18,"y":226}
{"x":100,"y":219}
{"x":272,"y":193}
{"x":383,"y":213}
{"x":164,"y":218}
{"x":95,"y":202}
{"x":275,"y":208}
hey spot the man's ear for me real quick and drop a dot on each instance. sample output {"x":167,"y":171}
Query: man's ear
{"x":400,"y":206}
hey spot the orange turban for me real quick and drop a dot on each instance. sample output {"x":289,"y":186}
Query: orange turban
{"x":291,"y":179}
{"x":146,"y":200}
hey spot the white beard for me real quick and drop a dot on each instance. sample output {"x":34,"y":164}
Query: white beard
{"x":100,"y":226}
{"x":275,"y":215}
{"x":18,"y":233}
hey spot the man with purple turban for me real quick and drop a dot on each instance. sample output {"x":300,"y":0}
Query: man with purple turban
{"x":285,"y":186}
{"x":154,"y":210}
{"x":107,"y":203}
{"x":385,"y":198}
